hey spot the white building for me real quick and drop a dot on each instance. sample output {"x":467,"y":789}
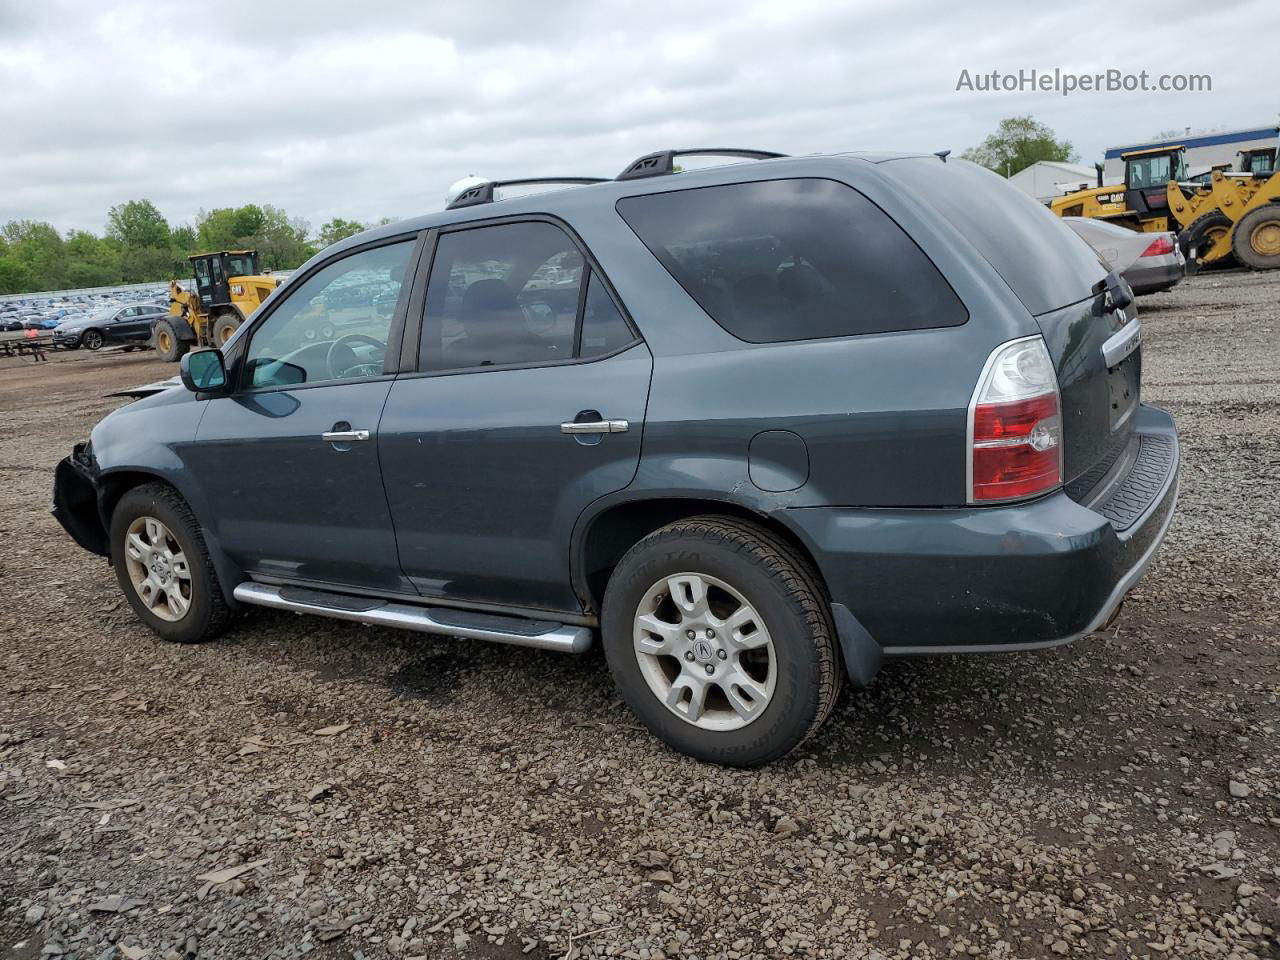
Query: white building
{"x":1203,"y":150}
{"x":1047,"y":179}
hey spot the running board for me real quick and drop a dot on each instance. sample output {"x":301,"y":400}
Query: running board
{"x":445,"y":621}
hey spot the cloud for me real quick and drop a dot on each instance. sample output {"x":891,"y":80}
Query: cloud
{"x":329,"y":108}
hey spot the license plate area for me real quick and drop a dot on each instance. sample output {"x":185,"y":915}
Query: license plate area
{"x":1123,"y":384}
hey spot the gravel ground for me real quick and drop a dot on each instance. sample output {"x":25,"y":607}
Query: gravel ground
{"x":307,"y":786}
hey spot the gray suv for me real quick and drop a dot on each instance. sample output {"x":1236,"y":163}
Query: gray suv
{"x":757,"y":427}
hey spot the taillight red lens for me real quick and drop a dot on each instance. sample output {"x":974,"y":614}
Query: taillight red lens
{"x":1016,"y":448}
{"x":1159,"y":247}
{"x":1015,"y":424}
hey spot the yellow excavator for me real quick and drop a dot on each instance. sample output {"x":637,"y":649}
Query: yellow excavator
{"x":228,"y":287}
{"x":1236,"y":213}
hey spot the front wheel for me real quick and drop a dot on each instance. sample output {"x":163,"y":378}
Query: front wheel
{"x":92,"y":339}
{"x":1256,"y":242}
{"x":719,"y":637}
{"x":168,"y":346}
{"x":163,"y":566}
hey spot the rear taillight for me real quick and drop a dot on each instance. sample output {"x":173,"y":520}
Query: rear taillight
{"x":1159,"y":246}
{"x":1015,"y":425}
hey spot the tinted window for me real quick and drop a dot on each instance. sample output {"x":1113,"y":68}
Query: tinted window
{"x":500,"y":295}
{"x":332,"y":326}
{"x":603,"y":328}
{"x":793,"y":260}
{"x":1045,"y":264}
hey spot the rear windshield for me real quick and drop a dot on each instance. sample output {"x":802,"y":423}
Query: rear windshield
{"x":1039,"y":257}
{"x":793,"y":260}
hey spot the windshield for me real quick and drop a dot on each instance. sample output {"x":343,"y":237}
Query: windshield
{"x":241,"y":265}
{"x":1156,"y":170}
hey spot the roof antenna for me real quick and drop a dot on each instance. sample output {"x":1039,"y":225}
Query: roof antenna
{"x":942,"y":155}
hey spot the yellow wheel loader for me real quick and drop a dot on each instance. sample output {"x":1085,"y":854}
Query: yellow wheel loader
{"x":1234,"y":214}
{"x":227,"y":288}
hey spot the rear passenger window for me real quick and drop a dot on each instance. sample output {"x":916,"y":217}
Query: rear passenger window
{"x":513,"y":294}
{"x":793,"y":260}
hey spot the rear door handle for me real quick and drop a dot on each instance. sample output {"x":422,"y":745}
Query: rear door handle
{"x":595,"y":426}
{"x":344,"y":436}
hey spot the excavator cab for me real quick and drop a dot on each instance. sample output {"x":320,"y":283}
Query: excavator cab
{"x":1146,"y":179}
{"x":1261,"y":163}
{"x":213,"y":273}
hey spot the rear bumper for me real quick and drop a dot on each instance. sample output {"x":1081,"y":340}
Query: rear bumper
{"x":1163,"y":273}
{"x":986,"y":579}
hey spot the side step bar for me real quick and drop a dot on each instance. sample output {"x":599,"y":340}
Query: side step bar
{"x":446,"y":621}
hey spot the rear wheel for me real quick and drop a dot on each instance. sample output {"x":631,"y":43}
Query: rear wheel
{"x":1203,"y":233}
{"x":168,"y":345}
{"x":720,"y":638}
{"x":163,"y":567}
{"x":223,"y":327}
{"x":1257,"y":238}
{"x":92,"y":339}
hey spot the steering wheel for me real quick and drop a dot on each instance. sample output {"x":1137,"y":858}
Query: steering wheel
{"x":340,"y":358}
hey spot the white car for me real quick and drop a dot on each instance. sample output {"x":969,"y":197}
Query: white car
{"x":1149,"y":262}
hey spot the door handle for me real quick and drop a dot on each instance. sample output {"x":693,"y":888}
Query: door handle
{"x":595,"y":426}
{"x":344,"y":436}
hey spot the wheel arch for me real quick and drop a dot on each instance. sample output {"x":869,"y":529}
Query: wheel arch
{"x":113,"y":485}
{"x":601,"y":539}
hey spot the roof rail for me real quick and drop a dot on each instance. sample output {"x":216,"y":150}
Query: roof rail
{"x":663,"y":162}
{"x":483,"y":192}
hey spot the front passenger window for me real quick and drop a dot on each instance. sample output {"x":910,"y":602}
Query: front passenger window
{"x":333,"y":326}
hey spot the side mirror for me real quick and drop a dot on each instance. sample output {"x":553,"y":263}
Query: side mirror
{"x":203,"y":371}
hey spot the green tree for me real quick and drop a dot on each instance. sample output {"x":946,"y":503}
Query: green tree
{"x":1018,"y":143}
{"x":217,"y":230}
{"x":38,"y":249}
{"x":92,"y":261}
{"x":183,"y":239}
{"x":138,"y":224}
{"x":14,"y":275}
{"x":339,"y":229}
{"x":282,"y":242}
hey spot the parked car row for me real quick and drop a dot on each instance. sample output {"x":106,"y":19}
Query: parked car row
{"x":90,"y":320}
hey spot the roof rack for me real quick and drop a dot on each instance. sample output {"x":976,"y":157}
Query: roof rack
{"x":483,"y":192}
{"x":663,"y":162}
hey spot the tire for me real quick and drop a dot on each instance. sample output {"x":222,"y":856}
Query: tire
{"x":1256,"y":242}
{"x":224,"y":325}
{"x":787,"y":620}
{"x":168,"y":345}
{"x":92,"y":339}
{"x":202,"y":613}
{"x":1202,"y":233}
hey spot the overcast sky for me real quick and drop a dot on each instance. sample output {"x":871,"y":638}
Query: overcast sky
{"x":370,"y":109}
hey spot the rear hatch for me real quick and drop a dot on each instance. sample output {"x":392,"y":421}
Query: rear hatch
{"x":1060,"y":280}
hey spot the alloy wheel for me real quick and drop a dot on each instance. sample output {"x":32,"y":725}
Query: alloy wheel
{"x":158,"y":568}
{"x":705,"y":651}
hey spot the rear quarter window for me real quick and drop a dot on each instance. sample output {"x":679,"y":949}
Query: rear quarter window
{"x":801,"y":259}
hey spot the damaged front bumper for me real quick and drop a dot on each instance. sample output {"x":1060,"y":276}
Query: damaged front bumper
{"x":76,"y":503}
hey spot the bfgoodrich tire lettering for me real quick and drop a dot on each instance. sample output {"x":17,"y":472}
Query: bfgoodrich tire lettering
{"x":144,"y":517}
{"x":780,"y":587}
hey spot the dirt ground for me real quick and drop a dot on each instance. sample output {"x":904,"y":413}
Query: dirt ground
{"x":308,"y":786}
